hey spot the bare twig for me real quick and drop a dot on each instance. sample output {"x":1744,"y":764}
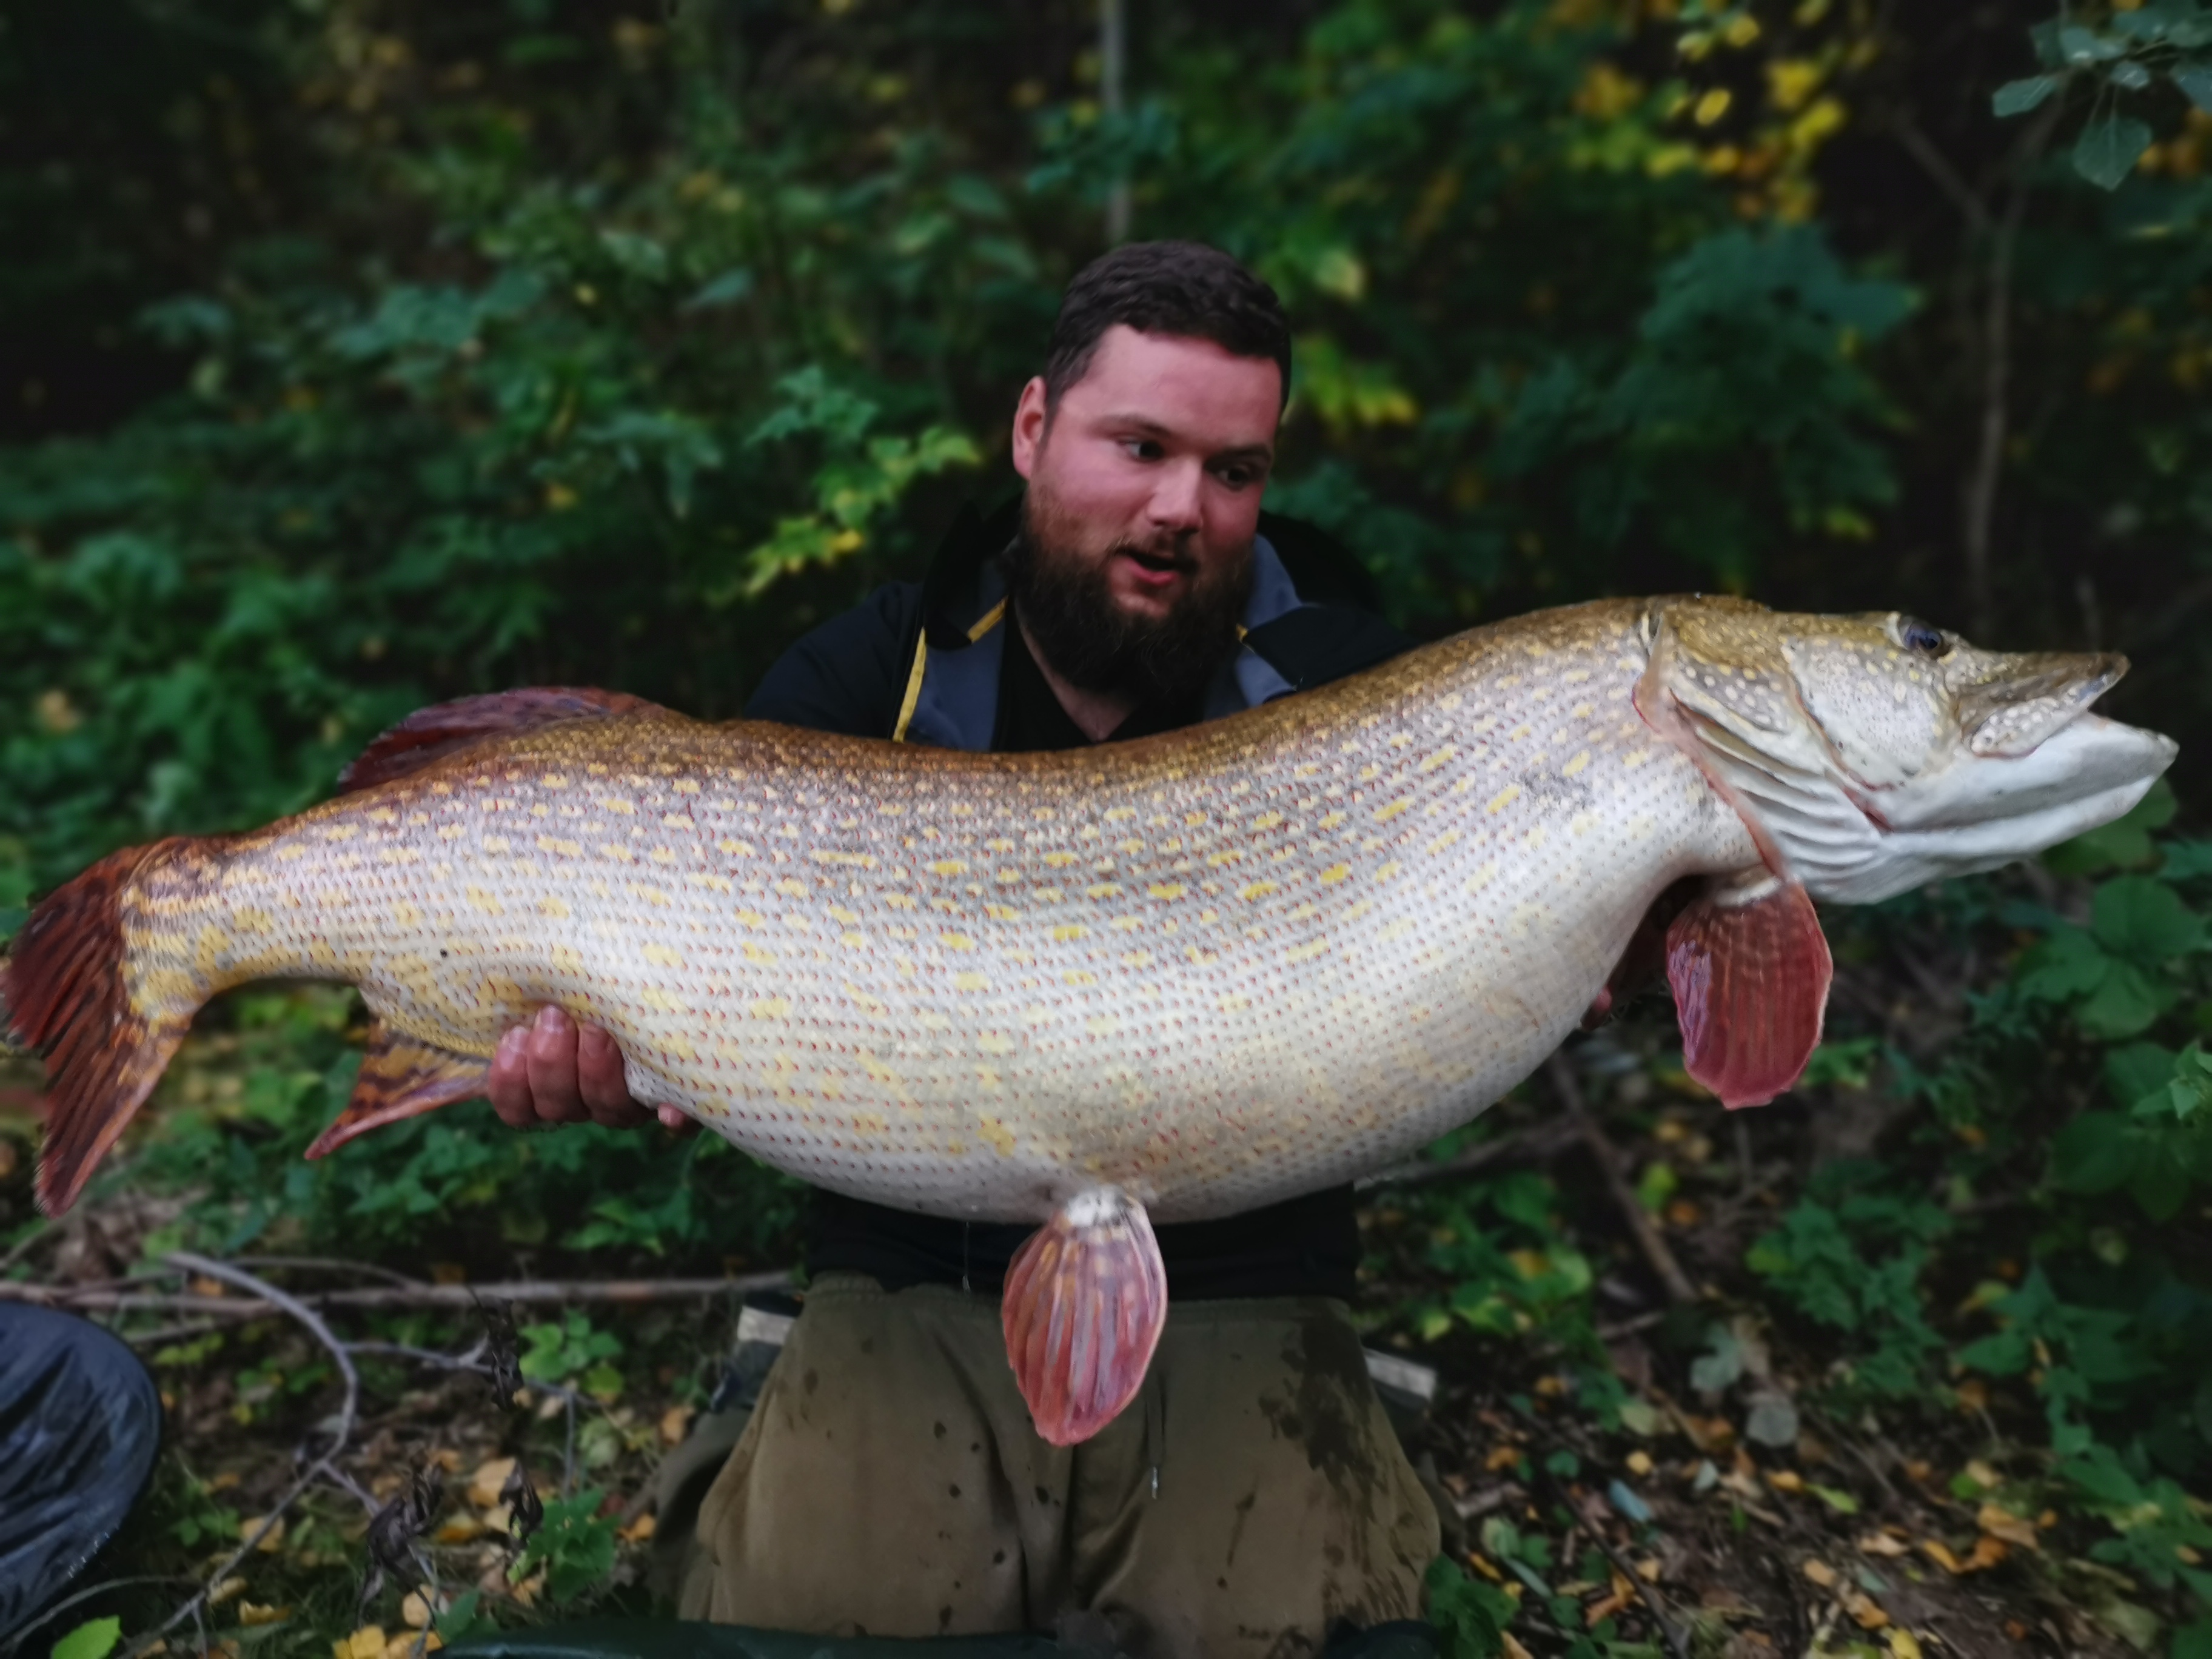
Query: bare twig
{"x":1669,"y":1271}
{"x":325,"y":1265}
{"x":325,"y":1464}
{"x":47,"y":1614}
{"x":91,"y":1299}
{"x":1535,"y":1145}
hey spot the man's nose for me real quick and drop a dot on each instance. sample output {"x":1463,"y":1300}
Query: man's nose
{"x":1179,"y":498}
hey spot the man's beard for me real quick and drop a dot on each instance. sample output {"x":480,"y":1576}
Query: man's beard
{"x":1066,"y":603}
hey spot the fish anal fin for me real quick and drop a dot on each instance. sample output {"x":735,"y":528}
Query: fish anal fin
{"x":401,"y":1078}
{"x":1085,"y":1300}
{"x":1750,"y":972}
{"x":430,"y":734}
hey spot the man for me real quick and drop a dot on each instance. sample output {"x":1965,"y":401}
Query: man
{"x":1253,"y":1496}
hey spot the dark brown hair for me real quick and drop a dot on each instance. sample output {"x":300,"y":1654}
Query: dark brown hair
{"x":1183,"y":289}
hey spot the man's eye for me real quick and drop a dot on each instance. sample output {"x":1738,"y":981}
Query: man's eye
{"x":1141,"y":449}
{"x":1238,"y":477}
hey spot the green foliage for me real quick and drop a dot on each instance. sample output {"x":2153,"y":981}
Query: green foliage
{"x":2121,"y":52}
{"x":574,"y":1545}
{"x":1471,"y":1615}
{"x":570,"y":1349}
{"x":1851,"y":1255}
{"x":1499,"y":1243}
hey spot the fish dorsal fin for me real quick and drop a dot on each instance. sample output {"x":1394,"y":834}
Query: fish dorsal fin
{"x":1750,"y":969}
{"x":431,"y":734}
{"x":1085,"y":1300}
{"x":401,"y":1078}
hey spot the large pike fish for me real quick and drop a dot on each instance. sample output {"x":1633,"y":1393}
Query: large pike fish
{"x":1178,"y":977}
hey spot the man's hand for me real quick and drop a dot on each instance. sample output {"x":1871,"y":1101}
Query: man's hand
{"x":548,"y":1072}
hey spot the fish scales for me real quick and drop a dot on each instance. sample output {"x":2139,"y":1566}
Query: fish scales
{"x":1212,"y":969}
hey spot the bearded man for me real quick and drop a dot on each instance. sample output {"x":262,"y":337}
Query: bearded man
{"x":1253,"y":1497}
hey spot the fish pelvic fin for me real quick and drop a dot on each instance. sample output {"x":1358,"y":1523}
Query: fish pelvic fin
{"x":1750,"y":970}
{"x":401,"y":1078}
{"x":430,"y":734}
{"x":66,"y":994}
{"x":1085,"y":1300}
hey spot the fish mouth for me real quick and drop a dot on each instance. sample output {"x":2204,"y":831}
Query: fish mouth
{"x":2029,"y":699}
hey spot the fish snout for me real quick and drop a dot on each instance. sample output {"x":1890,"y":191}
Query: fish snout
{"x":2025,"y":700}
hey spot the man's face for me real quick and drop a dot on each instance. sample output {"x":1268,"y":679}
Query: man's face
{"x":1143,"y":496}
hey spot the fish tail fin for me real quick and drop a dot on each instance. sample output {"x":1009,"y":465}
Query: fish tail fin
{"x":65,"y":994}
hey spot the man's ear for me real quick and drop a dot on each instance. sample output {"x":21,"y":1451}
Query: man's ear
{"x":1031,"y":417}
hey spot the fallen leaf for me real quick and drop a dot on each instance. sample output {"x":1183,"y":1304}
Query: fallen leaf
{"x":1502,"y":1457}
{"x":447,"y":1459}
{"x":206,"y":1286}
{"x":1881,"y":1543}
{"x":1639,"y":1462}
{"x":458,"y":1527}
{"x":225,"y":1592}
{"x":1507,"y":1640}
{"x":252,"y":1612}
{"x":675,"y":1423}
{"x":1863,"y":1608}
{"x":1786,"y":1480}
{"x":1973,"y":1395}
{"x":2003,"y":1523}
{"x":224,"y":1481}
{"x":366,"y":1642}
{"x":408,"y":1643}
{"x":484,"y":1483}
{"x":1940,"y":1552}
{"x":1984,"y":1476}
{"x":1904,"y":1643}
{"x":271,"y":1541}
{"x":1819,"y":1572}
{"x":1648,"y":1569}
{"x":414,"y":1610}
{"x":1842,"y":1502}
{"x":638,"y":1530}
{"x":1988,"y":1552}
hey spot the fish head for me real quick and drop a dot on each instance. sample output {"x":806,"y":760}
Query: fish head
{"x":1871,"y":753}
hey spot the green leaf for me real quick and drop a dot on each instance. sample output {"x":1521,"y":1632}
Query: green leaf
{"x":1841,"y":1502}
{"x":2137,"y":1070}
{"x":2125,"y":1003}
{"x":2196,"y":85}
{"x":2066,"y":965}
{"x":2018,"y":97}
{"x":93,"y":1639}
{"x":2107,"y":149}
{"x":2094,"y":1153}
{"x":2142,"y":917}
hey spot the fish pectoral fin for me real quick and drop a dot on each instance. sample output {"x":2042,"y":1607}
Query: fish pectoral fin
{"x":401,"y":1078}
{"x":1750,"y":970}
{"x":1085,"y":1300}
{"x":431,"y":734}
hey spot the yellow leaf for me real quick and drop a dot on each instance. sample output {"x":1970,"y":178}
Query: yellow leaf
{"x":366,"y":1642}
{"x":1713,"y":106}
{"x":484,"y":1483}
{"x":1819,"y":1572}
{"x":1881,"y":1543}
{"x":675,"y":1423}
{"x":1640,"y":1462}
{"x":1786,"y":1480}
{"x":638,"y":1530}
{"x":252,"y":1612}
{"x":1940,"y":1552}
{"x":225,"y":1592}
{"x":2003,"y":1523}
{"x":1904,"y":1643}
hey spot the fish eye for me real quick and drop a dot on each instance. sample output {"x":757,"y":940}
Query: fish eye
{"x":1916,"y":635}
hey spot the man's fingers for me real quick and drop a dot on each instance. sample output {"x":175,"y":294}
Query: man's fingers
{"x":509,"y":1089}
{"x":550,"y":1058}
{"x":599,"y":1079}
{"x":674,"y":1118}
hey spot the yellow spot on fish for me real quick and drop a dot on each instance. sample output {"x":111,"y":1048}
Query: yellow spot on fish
{"x":970,"y":983}
{"x":1059,"y":860}
{"x":481,"y":900}
{"x":957,"y":941}
{"x":995,"y":1042}
{"x":679,"y":821}
{"x":1329,"y":821}
{"x":660,"y":1001}
{"x":996,"y":1135}
{"x":1575,"y":765}
{"x":1101,"y":1025}
{"x":616,"y":804}
{"x":1306,"y":952}
{"x":1394,"y":809}
{"x":341,"y":832}
{"x":771,"y":1008}
{"x":1072,"y":930}
{"x":661,"y":957}
{"x":1267,"y":821}
{"x":554,"y":844}
{"x":949,"y":868}
{"x":1441,"y":842}
{"x":1258,"y":890}
{"x":1167,"y":890}
{"x":757,"y":952}
{"x":1102,"y":889}
{"x":1078,"y":976}
{"x":557,"y":909}
{"x":744,"y":849}
{"x":681,"y":786}
{"x":1503,"y":799}
{"x":1233,"y":1002}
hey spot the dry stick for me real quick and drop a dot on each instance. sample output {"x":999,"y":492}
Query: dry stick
{"x":1671,"y":1276}
{"x":48,"y":1614}
{"x":415,"y":1296}
{"x":1536,"y":1144}
{"x":315,"y":1471}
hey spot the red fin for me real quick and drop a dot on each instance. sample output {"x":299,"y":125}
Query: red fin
{"x":62,"y":994}
{"x":1086,"y":1298}
{"x":401,"y":1078}
{"x":1750,"y":969}
{"x":431,"y":734}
